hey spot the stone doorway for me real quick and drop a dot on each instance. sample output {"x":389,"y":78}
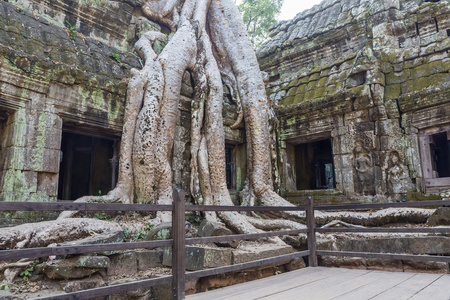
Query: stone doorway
{"x":435,"y":159}
{"x":314,"y":165}
{"x":440,"y":152}
{"x":229,"y":161}
{"x":88,"y":166}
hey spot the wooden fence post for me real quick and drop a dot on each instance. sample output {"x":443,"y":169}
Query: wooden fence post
{"x":179,"y":245}
{"x":311,"y":223}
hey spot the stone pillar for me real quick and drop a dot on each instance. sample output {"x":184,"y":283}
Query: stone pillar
{"x":32,"y":156}
{"x":16,"y":183}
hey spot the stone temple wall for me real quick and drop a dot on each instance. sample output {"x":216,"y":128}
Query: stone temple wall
{"x":56,"y":81}
{"x":374,"y":77}
{"x":370,"y":76}
{"x":52,"y":79}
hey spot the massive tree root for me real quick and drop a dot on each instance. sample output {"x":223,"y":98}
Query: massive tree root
{"x":210,"y":41}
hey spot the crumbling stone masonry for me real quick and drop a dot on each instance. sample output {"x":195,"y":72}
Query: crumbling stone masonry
{"x":373,"y":78}
{"x":54,"y":79}
{"x":361,"y":90}
{"x":64,"y":69}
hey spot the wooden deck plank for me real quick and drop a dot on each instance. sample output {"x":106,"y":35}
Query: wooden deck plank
{"x":437,"y":290}
{"x":408,"y":288}
{"x":323,"y":289}
{"x":277,"y":282}
{"x":385,"y":281}
{"x":345,"y":285}
{"x":336,"y":283}
{"x":296,"y":280}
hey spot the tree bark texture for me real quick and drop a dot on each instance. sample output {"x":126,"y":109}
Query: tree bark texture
{"x":210,"y":41}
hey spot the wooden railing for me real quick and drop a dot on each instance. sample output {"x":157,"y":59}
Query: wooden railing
{"x":384,"y":230}
{"x":179,"y":240}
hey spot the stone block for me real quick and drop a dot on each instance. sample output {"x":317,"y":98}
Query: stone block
{"x":347,"y":160}
{"x":77,"y":267}
{"x":149,"y":259}
{"x":251,"y":251}
{"x":162,"y":292}
{"x":15,"y":158}
{"x":357,"y":116}
{"x":139,"y":294}
{"x":343,"y":262}
{"x":387,"y":127}
{"x":414,"y":244}
{"x":425,"y":267}
{"x":92,"y":282}
{"x":47,"y":183}
{"x":19,"y":182}
{"x":123,"y":264}
{"x":390,"y":265}
{"x":115,"y":236}
{"x":198,"y":258}
{"x":207,"y":229}
{"x":430,"y":245}
{"x":53,"y":138}
{"x":43,"y":160}
{"x":440,"y":217}
{"x":18,"y":134}
{"x":295,"y":264}
{"x":398,"y":77}
{"x":347,"y":178}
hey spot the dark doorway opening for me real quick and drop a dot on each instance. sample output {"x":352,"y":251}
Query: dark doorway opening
{"x":229,"y":166}
{"x":88,"y":166}
{"x":440,"y":151}
{"x":314,"y":165}
{"x":3,"y":143}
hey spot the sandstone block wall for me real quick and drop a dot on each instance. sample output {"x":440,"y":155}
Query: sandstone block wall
{"x":56,"y":79}
{"x":50,"y":79}
{"x":374,"y":77}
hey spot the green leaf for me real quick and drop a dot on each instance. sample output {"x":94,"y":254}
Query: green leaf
{"x":258,"y":16}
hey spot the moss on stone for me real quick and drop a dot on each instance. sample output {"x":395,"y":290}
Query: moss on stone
{"x":304,"y":79}
{"x":314,"y":77}
{"x":309,"y":95}
{"x":37,"y":158}
{"x":287,"y":101}
{"x":392,"y":91}
{"x":320,"y":92}
{"x":291,"y":92}
{"x":421,"y":83}
{"x":322,"y":82}
{"x":293,"y":83}
{"x":299,"y":98}
{"x":418,"y":196}
{"x":428,"y":69}
{"x":301,"y":89}
{"x":311,"y":85}
{"x":398,"y":77}
{"x":395,"y":57}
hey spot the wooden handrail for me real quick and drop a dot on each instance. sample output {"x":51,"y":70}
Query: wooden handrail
{"x":179,"y":240}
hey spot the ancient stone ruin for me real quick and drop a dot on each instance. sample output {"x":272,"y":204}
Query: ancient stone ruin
{"x":356,"y":110}
{"x":361,"y":89}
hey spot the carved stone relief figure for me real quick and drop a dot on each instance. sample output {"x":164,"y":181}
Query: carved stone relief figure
{"x":363,"y":164}
{"x":397,"y":176}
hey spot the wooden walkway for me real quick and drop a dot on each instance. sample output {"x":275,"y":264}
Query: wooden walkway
{"x":337,"y":283}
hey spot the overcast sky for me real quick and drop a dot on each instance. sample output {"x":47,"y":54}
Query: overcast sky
{"x":292,"y":7}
